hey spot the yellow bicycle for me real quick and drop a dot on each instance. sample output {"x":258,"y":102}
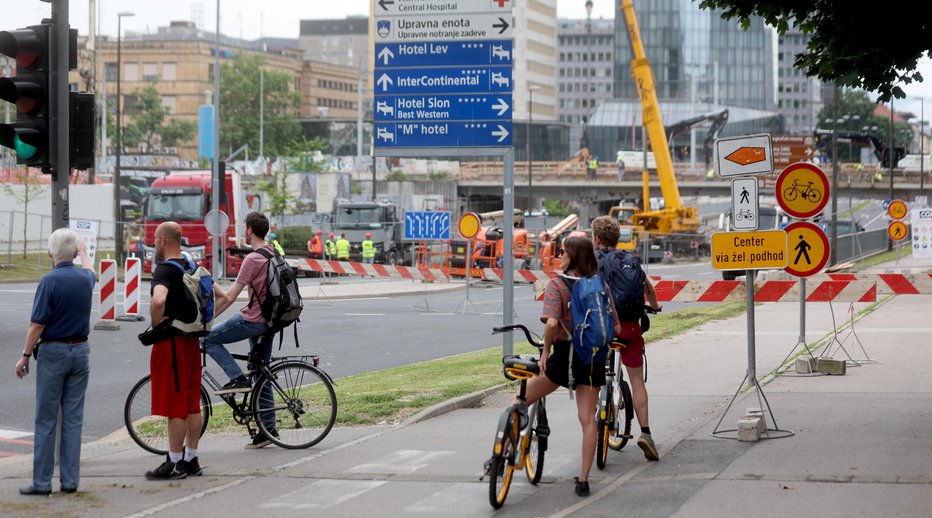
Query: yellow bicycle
{"x":521,"y":436}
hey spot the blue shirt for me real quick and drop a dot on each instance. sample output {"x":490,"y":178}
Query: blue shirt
{"x":63,"y":302}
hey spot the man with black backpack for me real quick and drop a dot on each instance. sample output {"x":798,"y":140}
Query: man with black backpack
{"x":621,"y":270}
{"x":260,"y":318}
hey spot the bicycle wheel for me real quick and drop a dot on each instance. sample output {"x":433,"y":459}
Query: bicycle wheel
{"x":814,"y":195}
{"x":790,"y":193}
{"x":605,"y":424}
{"x":536,"y":446}
{"x":503,"y":465}
{"x":296,"y":407}
{"x":150,"y":431}
{"x":625,"y":408}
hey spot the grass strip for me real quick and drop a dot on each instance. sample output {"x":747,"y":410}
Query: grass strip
{"x":390,"y":396}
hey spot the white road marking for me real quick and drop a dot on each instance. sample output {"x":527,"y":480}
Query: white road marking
{"x":13,"y":434}
{"x":364,"y":314}
{"x":460,"y":499}
{"x":400,"y":462}
{"x":322,"y":494}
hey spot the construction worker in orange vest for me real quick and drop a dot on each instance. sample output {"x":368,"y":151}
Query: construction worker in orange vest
{"x":315,"y":246}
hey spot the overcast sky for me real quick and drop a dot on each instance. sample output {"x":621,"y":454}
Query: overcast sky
{"x":254,"y":18}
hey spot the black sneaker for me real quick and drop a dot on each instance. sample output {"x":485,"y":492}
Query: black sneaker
{"x":582,"y":487}
{"x":261,"y":440}
{"x":192,"y":468}
{"x":168,"y":470}
{"x":236,"y":386}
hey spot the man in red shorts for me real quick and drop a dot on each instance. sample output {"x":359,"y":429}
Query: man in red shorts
{"x":175,"y":363}
{"x":605,"y":232}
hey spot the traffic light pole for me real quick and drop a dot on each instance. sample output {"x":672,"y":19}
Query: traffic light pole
{"x":60,"y":125}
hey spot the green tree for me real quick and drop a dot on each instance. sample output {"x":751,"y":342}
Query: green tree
{"x":152,"y":124}
{"x":556,"y":208}
{"x":850,"y":44}
{"x":31,"y":189}
{"x":854,"y":112}
{"x":279,"y":195}
{"x":239,"y":106}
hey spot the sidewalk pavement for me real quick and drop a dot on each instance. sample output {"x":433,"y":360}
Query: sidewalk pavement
{"x":861,"y":447}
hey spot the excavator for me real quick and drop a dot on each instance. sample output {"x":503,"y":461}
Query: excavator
{"x":673,"y":217}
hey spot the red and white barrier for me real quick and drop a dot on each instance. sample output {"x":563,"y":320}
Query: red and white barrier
{"x":529,"y":276}
{"x":765,"y":291}
{"x":889,"y":283}
{"x":374,"y":270}
{"x":108,"y":270}
{"x":131,"y":273}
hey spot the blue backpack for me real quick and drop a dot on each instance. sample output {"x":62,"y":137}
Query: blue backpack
{"x":593,"y":324}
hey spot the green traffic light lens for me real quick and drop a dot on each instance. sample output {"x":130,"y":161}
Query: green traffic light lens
{"x":24,"y":150}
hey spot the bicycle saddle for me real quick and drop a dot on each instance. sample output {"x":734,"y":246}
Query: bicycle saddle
{"x":618,"y":343}
{"x":520,"y":367}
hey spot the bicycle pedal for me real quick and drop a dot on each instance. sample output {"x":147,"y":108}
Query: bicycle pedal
{"x":626,"y":436}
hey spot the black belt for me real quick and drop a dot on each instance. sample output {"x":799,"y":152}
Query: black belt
{"x":72,"y":340}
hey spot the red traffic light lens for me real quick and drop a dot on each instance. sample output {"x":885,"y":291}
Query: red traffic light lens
{"x":26,"y":59}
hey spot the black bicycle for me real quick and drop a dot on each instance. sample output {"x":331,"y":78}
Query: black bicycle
{"x":292,"y":402}
{"x":522,"y":432}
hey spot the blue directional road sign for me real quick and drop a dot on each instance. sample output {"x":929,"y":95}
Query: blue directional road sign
{"x":402,"y":108}
{"x":443,"y":80}
{"x":443,"y":134}
{"x":427,"y":225}
{"x":450,"y":53}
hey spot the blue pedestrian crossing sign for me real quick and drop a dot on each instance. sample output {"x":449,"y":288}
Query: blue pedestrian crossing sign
{"x":426,"y":225}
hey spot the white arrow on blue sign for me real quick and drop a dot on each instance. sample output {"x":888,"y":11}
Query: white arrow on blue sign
{"x":445,"y":27}
{"x":446,"y":53}
{"x":443,"y":134}
{"x":427,"y":225}
{"x":442,"y":107}
{"x":443,"y":80}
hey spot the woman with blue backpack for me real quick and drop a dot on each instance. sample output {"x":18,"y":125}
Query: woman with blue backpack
{"x":579,"y":322}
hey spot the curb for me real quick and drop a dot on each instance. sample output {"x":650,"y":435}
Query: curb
{"x":467,"y":401}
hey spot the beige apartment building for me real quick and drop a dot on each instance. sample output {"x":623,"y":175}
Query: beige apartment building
{"x":181,"y":59}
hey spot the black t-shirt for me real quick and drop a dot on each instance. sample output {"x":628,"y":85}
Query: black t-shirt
{"x":177,"y":305}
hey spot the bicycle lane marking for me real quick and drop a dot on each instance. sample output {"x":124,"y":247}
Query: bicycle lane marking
{"x":297,"y":462}
{"x":14,"y":437}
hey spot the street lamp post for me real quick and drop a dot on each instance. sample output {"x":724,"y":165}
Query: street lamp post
{"x":117,"y":213}
{"x":833,"y":255}
{"x":922,"y":156}
{"x":530,"y":120}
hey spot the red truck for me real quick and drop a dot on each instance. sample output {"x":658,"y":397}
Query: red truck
{"x":185,"y":198}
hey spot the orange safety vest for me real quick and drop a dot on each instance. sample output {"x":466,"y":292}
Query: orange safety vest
{"x":315,"y":245}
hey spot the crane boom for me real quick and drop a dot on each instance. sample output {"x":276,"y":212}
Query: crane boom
{"x":644,"y":79}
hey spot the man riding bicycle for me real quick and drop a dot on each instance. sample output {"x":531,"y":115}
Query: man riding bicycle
{"x":248,"y":323}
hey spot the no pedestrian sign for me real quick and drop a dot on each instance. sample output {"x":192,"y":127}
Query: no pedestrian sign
{"x":808,"y":249}
{"x":749,"y":250}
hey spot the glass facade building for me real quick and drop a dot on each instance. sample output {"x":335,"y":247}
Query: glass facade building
{"x":697,"y":56}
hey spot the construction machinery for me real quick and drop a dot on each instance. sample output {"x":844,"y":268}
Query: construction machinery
{"x":673,"y":217}
{"x":718,"y":119}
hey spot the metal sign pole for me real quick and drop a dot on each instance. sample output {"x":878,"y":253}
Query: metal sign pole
{"x":509,"y":263}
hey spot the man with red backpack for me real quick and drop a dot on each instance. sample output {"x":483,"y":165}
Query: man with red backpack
{"x":621,"y":270}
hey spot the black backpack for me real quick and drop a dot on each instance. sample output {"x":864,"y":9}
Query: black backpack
{"x":622,"y":271}
{"x":282,"y":305}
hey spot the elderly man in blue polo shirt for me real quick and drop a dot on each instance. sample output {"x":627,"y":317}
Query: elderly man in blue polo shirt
{"x":60,"y":323}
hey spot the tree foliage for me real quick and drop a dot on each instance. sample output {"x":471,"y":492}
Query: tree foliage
{"x":152,"y":123}
{"x":855,"y":45}
{"x":853,"y":112}
{"x":280,"y":196}
{"x":30,"y":190}
{"x":239,"y":106}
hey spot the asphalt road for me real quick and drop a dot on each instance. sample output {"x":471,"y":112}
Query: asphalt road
{"x":351,"y":336}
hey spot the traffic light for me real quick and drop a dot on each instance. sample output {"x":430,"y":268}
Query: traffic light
{"x":30,"y":91}
{"x":82,"y":131}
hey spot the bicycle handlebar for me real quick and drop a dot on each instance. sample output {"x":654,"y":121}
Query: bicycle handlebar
{"x":527,"y":333}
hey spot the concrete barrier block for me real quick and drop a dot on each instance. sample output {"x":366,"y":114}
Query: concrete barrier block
{"x":805,"y":365}
{"x":830,"y":366}
{"x":749,"y":429}
{"x":759,"y":415}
